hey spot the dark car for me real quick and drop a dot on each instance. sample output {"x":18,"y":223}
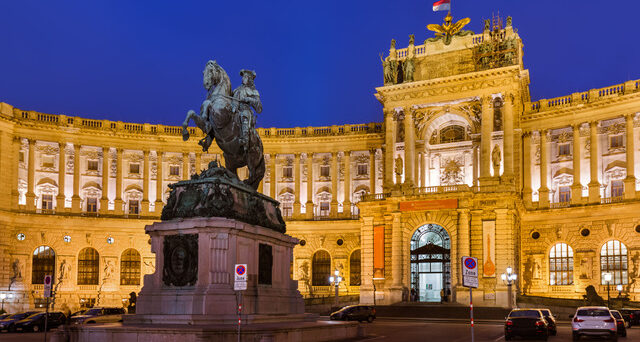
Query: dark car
{"x":620,"y":323}
{"x":3,"y":316}
{"x":631,"y":315}
{"x":526,"y":323}
{"x":36,"y":322}
{"x":355,"y":313}
{"x":551,"y":321}
{"x":10,"y":322}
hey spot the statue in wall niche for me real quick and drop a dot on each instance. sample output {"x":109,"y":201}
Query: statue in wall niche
{"x":496,"y":157}
{"x":227,"y":118}
{"x":16,"y":272}
{"x":109,"y":268}
{"x":528,"y":275}
{"x":537,"y":271}
{"x":399,"y":166}
{"x":65,"y":271}
{"x":304,"y":277}
{"x":586,"y":268}
{"x":636,"y":265}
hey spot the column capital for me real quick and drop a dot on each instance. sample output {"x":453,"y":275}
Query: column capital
{"x":145,"y":152}
{"x":486,"y":100}
{"x":508,"y":97}
{"x":373,"y":150}
{"x":76,"y":146}
{"x":576,"y":126}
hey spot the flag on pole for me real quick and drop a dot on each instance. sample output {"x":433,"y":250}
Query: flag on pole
{"x":442,"y":5}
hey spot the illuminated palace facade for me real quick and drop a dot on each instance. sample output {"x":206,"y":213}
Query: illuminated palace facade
{"x":463,"y":163}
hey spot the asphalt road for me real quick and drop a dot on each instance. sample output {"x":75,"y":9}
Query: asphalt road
{"x":410,"y":330}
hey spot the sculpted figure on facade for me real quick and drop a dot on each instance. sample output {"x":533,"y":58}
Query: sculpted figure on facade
{"x":227,"y":118}
{"x":496,"y":158}
{"x":304,"y":277}
{"x":448,"y":29}
{"x":16,"y":272}
{"x":586,"y":267}
{"x":408,"y":66}
{"x":64,"y":272}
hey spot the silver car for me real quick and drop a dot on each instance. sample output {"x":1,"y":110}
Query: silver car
{"x":594,"y":321}
{"x":99,"y":315}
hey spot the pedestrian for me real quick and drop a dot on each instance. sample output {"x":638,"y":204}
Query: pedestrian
{"x":442,"y":296}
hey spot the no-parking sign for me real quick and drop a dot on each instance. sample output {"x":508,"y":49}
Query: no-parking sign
{"x":241,"y":272}
{"x":47,"y":286}
{"x":469,"y":272}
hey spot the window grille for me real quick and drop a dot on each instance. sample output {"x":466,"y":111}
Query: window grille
{"x":88,"y":266}
{"x":613,"y":259}
{"x":130,"y":267}
{"x":561,"y":265}
{"x":43,"y":263}
{"x":321,"y":268}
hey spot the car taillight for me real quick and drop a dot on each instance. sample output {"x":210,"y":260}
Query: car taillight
{"x":578,"y":320}
{"x":509,"y":323}
{"x":610,"y":320}
{"x":630,"y":316}
{"x":539,"y":323}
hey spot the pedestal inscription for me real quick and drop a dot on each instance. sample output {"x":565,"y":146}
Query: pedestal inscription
{"x":181,"y":260}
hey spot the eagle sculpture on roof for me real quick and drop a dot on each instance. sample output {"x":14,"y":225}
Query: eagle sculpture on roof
{"x":448,"y":29}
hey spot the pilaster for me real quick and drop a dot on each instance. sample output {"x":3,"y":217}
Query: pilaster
{"x":31,"y":167}
{"x":15,"y":174}
{"x":526,"y":170}
{"x":296,"y":178}
{"x":508,"y":136}
{"x":576,"y":188}
{"x":185,"y":166}
{"x":75,"y":200}
{"x":145,"y":184}
{"x":346,"y":204}
{"x":372,"y":170}
{"x":409,"y":147}
{"x":334,"y":185}
{"x":272,"y":175}
{"x":390,"y":142}
{"x":594,"y":184}
{"x":630,"y":181}
{"x":309,"y":204}
{"x":62,"y":172}
{"x":104,"y":199}
{"x":544,"y":170}
{"x":486,"y":129}
{"x":159,"y":182}
{"x":118,"y":204}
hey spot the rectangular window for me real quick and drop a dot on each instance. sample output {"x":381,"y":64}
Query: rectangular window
{"x":265,"y":264}
{"x":134,"y":207}
{"x":92,"y":205}
{"x":564,"y":149}
{"x":615,"y":141}
{"x":324,"y":209}
{"x":287,"y":209}
{"x":134,"y":168}
{"x":174,"y":170}
{"x":617,"y":188}
{"x":565,"y":194}
{"x":92,"y":165}
{"x":47,"y":161}
{"x":287,"y":172}
{"x":324,"y":170}
{"x":47,"y":202}
{"x":363,"y":169}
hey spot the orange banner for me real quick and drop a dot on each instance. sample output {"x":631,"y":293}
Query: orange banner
{"x":378,"y":252}
{"x":429,"y":205}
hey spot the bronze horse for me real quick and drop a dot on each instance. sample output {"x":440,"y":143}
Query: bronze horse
{"x":220,"y":121}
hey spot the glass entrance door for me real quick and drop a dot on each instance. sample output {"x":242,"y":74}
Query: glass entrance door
{"x":430,"y":264}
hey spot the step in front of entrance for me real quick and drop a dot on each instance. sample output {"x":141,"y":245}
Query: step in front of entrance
{"x":440,"y":311}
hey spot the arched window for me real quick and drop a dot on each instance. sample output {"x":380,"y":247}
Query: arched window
{"x":613,"y":259}
{"x":354,"y":268}
{"x":130,"y":267}
{"x":88,"y":266}
{"x":44,"y":262}
{"x":451,"y":134}
{"x":321,"y":268}
{"x":561,"y":265}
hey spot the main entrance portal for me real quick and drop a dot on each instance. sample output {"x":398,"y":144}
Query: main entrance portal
{"x":430,"y":263}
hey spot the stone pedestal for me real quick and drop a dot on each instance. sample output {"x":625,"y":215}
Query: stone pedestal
{"x":194,"y":278}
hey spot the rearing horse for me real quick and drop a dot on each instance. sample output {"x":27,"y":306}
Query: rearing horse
{"x":220,"y":122}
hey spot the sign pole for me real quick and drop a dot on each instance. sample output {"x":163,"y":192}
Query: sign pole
{"x":471,"y":311}
{"x":239,"y":313}
{"x":46,"y":320}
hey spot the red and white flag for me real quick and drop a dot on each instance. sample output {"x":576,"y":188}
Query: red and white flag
{"x":442,"y":5}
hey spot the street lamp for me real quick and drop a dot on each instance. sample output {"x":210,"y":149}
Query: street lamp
{"x":619,"y":288}
{"x":3,"y":296}
{"x":607,"y":278}
{"x":509,"y":278}
{"x":336,"y":279}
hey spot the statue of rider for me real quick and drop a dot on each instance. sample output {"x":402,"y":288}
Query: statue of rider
{"x":246,"y":96}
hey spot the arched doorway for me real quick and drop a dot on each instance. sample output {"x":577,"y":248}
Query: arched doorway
{"x":430,"y":263}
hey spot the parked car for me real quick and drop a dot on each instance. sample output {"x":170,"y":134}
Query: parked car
{"x":99,"y":315}
{"x":632,"y":316}
{"x":594,"y":321}
{"x":3,"y":316}
{"x":551,"y":321}
{"x":78,"y":313}
{"x":355,"y":313}
{"x":620,"y":323}
{"x":36,"y":322}
{"x":9,"y":322}
{"x":526,"y":323}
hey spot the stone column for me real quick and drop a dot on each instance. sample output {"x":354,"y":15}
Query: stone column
{"x":464,"y":238}
{"x":594,"y":184}
{"x":544,"y":183}
{"x":334,"y":185}
{"x":390,"y":142}
{"x":576,"y":188}
{"x":630,"y":181}
{"x":309,"y":205}
{"x":272,"y":175}
{"x":145,"y":184}
{"x":508,"y":136}
{"x":366,"y":237}
{"x":486,"y":130}
{"x":346,"y":203}
{"x":15,"y":174}
{"x":118,"y":209}
{"x":185,"y":166}
{"x":425,"y":170}
{"x":409,"y":147}
{"x":75,"y":200}
{"x":62,"y":172}
{"x":159,"y":183}
{"x":526,"y":170}
{"x":475,"y":147}
{"x":296,"y":189}
{"x":396,"y":254}
{"x":372,"y":171}
{"x":104,"y":200}
{"x":31,"y":168}
{"x":198,"y":163}
{"x":419,"y":172}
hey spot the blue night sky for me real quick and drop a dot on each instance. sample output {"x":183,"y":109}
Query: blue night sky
{"x":317,"y":61}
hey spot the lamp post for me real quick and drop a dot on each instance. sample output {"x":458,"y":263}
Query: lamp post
{"x":509,"y":278}
{"x":336,"y":279}
{"x":2,"y":296}
{"x":607,"y":278}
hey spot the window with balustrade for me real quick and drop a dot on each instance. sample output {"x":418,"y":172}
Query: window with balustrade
{"x":354,"y":268}
{"x":321,"y":268}
{"x":88,"y":266}
{"x":92,"y":205}
{"x":561,"y":264}
{"x":47,"y":202}
{"x":613,"y":260}
{"x":564,"y":194}
{"x":130,"y":267}
{"x":43,"y":262}
{"x":617,"y":188}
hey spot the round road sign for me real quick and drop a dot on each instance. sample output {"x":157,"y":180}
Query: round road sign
{"x":470,"y":263}
{"x":240,"y":270}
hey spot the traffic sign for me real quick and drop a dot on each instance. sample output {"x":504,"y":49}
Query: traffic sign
{"x":241,"y":272}
{"x":240,"y":286}
{"x":469,"y":272}
{"x":47,"y":286}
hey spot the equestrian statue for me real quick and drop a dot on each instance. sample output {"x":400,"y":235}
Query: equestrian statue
{"x":227,"y":117}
